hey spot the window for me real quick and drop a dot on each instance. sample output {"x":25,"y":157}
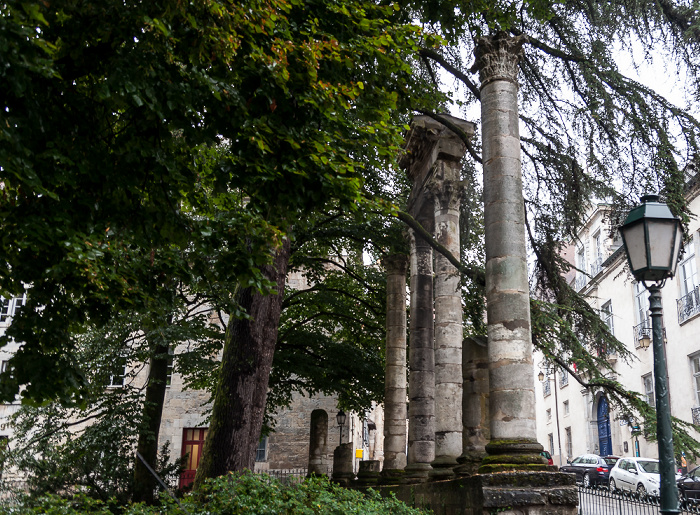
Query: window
{"x":689,"y":301}
{"x":687,"y":272}
{"x":581,"y":277}
{"x":563,"y":377}
{"x":546,"y":388}
{"x":549,"y":415}
{"x":566,"y":407}
{"x":551,"y":443}
{"x":261,"y":452}
{"x":569,"y":443}
{"x":192,"y":445}
{"x":606,"y":315}
{"x":8,"y":307}
{"x":596,"y":266}
{"x":171,"y":363}
{"x":696,"y":377}
{"x":117,"y":374}
{"x":648,"y":381}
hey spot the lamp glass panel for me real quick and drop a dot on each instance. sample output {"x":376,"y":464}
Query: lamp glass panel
{"x":636,"y":248}
{"x":661,"y":243}
{"x":677,"y":248}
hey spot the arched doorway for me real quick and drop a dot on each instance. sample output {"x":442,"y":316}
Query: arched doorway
{"x":604,"y":439}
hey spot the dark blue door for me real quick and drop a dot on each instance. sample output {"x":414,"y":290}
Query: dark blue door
{"x":605,"y":443}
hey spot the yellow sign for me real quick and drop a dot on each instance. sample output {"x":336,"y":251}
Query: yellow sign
{"x":358,"y":453}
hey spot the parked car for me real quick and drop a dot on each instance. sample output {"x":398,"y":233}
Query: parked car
{"x":548,"y":457}
{"x":590,"y":469}
{"x":636,"y":474}
{"x":689,"y":484}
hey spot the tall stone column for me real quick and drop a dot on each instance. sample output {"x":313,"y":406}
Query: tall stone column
{"x":513,"y":443}
{"x":421,"y":405}
{"x":318,"y":442}
{"x":445,"y":185}
{"x":395,"y":378}
{"x":475,"y":405}
{"x":433,"y":152}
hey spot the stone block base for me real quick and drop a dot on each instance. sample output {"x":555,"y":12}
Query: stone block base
{"x":506,"y":493}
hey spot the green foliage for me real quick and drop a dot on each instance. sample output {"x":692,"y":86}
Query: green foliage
{"x":129,"y":132}
{"x":237,"y":494}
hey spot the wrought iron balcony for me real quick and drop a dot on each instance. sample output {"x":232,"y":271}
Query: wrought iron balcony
{"x":581,"y":281}
{"x":688,"y":305}
{"x":642,"y":331}
{"x":696,"y":415}
{"x":596,"y":266}
{"x":546,"y":388}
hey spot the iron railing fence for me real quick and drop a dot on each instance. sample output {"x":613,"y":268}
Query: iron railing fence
{"x":287,"y":476}
{"x":599,"y":500}
{"x":688,"y":305}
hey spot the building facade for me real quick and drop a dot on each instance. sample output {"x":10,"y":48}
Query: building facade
{"x":574,"y":420}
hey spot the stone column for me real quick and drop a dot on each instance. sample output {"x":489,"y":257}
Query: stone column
{"x":475,"y":405}
{"x":421,"y":406}
{"x":395,"y":377}
{"x":318,"y":440}
{"x":513,"y":442}
{"x":445,"y":185}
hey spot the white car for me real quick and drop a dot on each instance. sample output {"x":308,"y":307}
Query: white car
{"x":635,"y":474}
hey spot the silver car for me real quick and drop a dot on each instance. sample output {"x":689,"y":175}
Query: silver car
{"x":636,"y":474}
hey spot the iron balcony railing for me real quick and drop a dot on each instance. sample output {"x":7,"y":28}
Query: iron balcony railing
{"x":642,"y":331}
{"x":696,"y":415}
{"x":688,"y":305}
{"x":596,"y":266}
{"x":581,"y":281}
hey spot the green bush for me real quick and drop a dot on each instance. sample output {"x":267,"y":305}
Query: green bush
{"x":250,"y":494}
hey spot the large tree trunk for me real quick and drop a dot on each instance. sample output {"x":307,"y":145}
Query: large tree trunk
{"x":239,"y":403}
{"x":147,"y":446}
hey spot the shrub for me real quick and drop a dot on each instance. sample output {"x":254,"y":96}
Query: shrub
{"x":246,"y":493}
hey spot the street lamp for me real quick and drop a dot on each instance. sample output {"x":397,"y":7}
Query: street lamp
{"x":652,"y":238}
{"x":540,"y":376}
{"x":340,"y":417}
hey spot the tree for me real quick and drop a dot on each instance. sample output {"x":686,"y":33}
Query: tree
{"x":590,"y":133}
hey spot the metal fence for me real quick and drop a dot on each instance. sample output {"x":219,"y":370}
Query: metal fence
{"x":598,"y":500}
{"x":287,"y":476}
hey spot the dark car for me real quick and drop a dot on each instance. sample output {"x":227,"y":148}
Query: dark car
{"x":590,"y":469}
{"x":689,"y":484}
{"x":548,"y":457}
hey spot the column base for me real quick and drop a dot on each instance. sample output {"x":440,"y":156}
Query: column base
{"x":443,"y":468}
{"x":469,"y":462}
{"x":417,"y":473}
{"x":392,"y":477}
{"x":513,"y":455}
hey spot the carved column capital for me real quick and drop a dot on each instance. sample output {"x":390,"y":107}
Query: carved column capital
{"x":497,"y":57}
{"x":396,"y":264}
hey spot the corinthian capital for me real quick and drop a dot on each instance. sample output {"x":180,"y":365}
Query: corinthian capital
{"x":497,"y":57}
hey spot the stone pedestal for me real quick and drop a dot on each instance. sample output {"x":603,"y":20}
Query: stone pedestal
{"x":512,"y":493}
{"x":368,"y":474}
{"x":342,"y":465}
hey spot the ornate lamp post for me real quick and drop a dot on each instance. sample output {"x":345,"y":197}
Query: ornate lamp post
{"x":652,"y":238}
{"x":340,"y":417}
